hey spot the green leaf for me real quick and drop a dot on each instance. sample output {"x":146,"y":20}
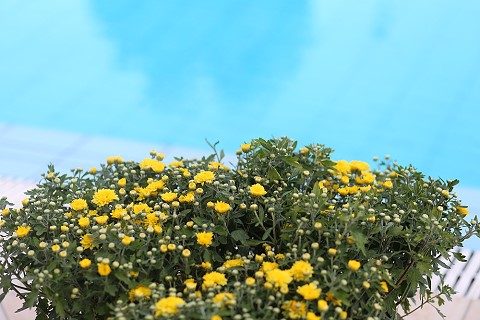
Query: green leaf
{"x":266,"y":233}
{"x":240,"y":235}
{"x":293,"y":162}
{"x":273,"y":174}
{"x":360,"y":241}
{"x":59,"y":308}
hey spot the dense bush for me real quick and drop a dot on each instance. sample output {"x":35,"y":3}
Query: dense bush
{"x":282,"y":234}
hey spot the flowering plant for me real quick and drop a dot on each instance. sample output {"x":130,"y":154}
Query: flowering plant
{"x":284,"y":234}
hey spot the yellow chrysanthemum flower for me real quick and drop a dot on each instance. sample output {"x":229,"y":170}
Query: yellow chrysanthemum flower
{"x":204,"y":176}
{"x":301,"y":270}
{"x":356,"y":165}
{"x":104,"y":269}
{"x":104,"y":196}
{"x":222,"y":207}
{"x":118,"y":213}
{"x":309,"y":291}
{"x":153,"y":164}
{"x":189,"y":197}
{"x":22,"y":231}
{"x":79,"y":204}
{"x":212,"y":279}
{"x":101,"y":219}
{"x":114,"y":159}
{"x":141,"y":207}
{"x":295,"y":309}
{"x":168,"y":307}
{"x":257,"y":190}
{"x":204,"y":238}
{"x":312,"y":316}
{"x":122,"y":182}
{"x":462,"y":210}
{"x":354,"y":265}
{"x":224,"y":299}
{"x":233,"y":263}
{"x":84,"y":222}
{"x":139,"y":292}
{"x":85,"y":263}
{"x":87,"y":241}
{"x":322,"y":305}
{"x":169,"y":196}
{"x":278,"y":278}
{"x":127,"y":240}
{"x":246,"y":147}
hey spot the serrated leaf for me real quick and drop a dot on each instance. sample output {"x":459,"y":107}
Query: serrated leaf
{"x":267,"y":233}
{"x":240,"y":235}
{"x":273,"y":174}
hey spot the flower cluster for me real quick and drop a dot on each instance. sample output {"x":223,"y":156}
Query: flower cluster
{"x":285,"y":234}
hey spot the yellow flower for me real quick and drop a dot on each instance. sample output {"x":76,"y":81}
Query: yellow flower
{"x":175,"y":164}
{"x":309,"y":291}
{"x":278,"y":278}
{"x":104,"y":196}
{"x":104,"y":269}
{"x":189,"y":197}
{"x":268,"y":266}
{"x":250,"y":281}
{"x":2,"y":222}
{"x":295,"y":309}
{"x":322,"y":305}
{"x":22,"y":231}
{"x":342,"y":166}
{"x":25,"y":202}
{"x":190,"y":284}
{"x":217,"y":165}
{"x":224,"y":299}
{"x":462,"y":210}
{"x":85,"y":263}
{"x":169,"y":196}
{"x":101,"y":219}
{"x":204,"y":176}
{"x":204,"y":238}
{"x":122,"y":182}
{"x":141,"y":207}
{"x":312,"y":316}
{"x":384,"y":286}
{"x":139,"y":292}
{"x":93,"y":170}
{"x":332,"y":251}
{"x":114,"y":159}
{"x":257,"y":190}
{"x":206,"y":265}
{"x":388,"y":184}
{"x":214,"y":278}
{"x":186,"y":253}
{"x":55,"y":248}
{"x":87,"y":241}
{"x":222,"y":207}
{"x":216,"y":317}
{"x":118,"y":213}
{"x":168,"y":307}
{"x":356,"y":165}
{"x":354,"y":265}
{"x":343,"y":315}
{"x":79,"y":204}
{"x":153,"y":164}
{"x":246,"y":147}
{"x":151,"y":219}
{"x":127,"y":240}
{"x":301,"y":270}
{"x":303,"y":150}
{"x":84,"y":222}
{"x":5,"y":212}
{"x":233,"y":263}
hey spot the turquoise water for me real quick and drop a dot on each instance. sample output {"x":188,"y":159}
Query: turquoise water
{"x":366,"y":78}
